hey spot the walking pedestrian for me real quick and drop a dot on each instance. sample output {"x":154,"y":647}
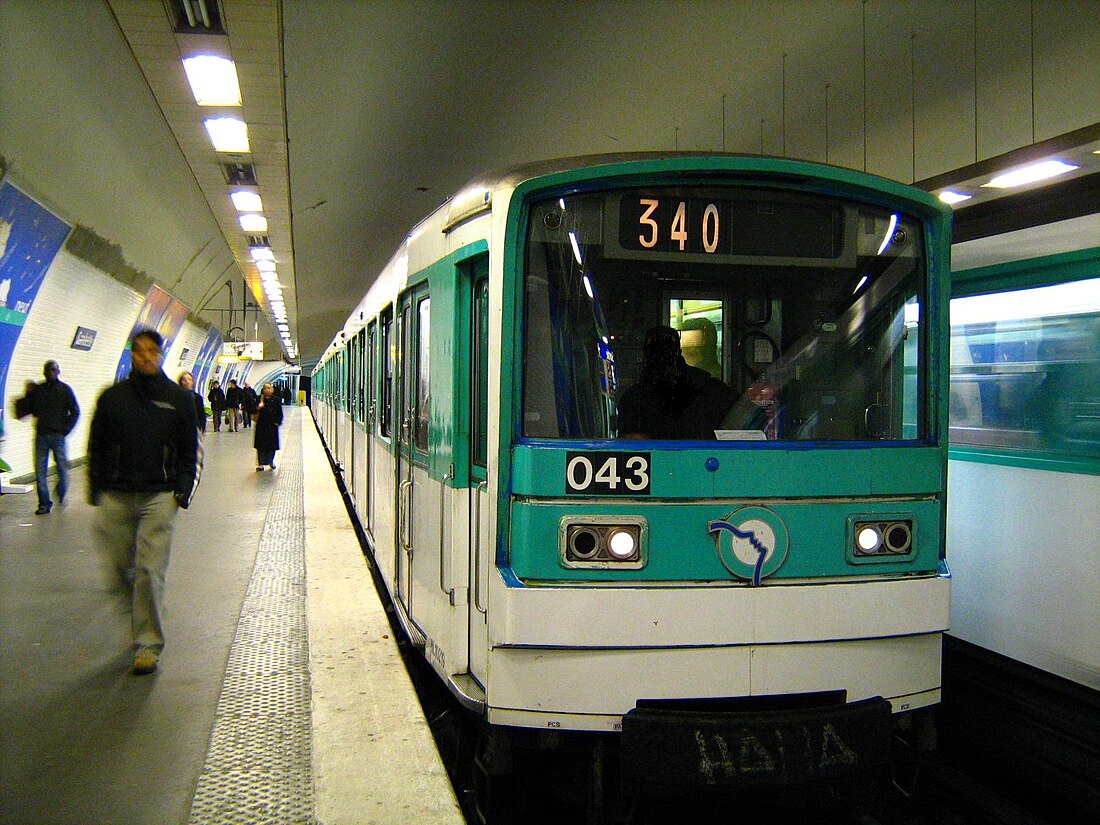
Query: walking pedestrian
{"x":216,"y":397}
{"x":249,"y":403}
{"x":55,"y":409}
{"x":144,"y":464}
{"x":269,"y":415}
{"x":233,"y":405}
{"x":187,"y":381}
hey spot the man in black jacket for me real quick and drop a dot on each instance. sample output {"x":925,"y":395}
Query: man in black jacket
{"x":53,"y":405}
{"x":233,"y":405}
{"x":144,"y":463}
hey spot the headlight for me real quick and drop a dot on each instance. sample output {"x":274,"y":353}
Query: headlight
{"x":622,"y":543}
{"x":893,"y":537}
{"x":602,"y":542}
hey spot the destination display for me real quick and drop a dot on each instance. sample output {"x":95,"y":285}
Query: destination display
{"x":668,"y":224}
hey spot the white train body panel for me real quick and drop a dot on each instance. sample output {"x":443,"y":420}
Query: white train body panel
{"x":1027,"y":567}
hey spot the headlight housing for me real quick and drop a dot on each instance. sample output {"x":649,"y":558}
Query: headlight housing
{"x":880,"y":538}
{"x":602,"y":542}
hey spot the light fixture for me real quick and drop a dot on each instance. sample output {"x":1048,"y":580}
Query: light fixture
{"x":261,"y":253}
{"x":246,"y":201}
{"x":213,"y":80}
{"x":228,"y":134}
{"x":889,"y":234}
{"x":251,"y":222}
{"x":588,"y":287}
{"x":576,"y":247}
{"x":265,"y":266}
{"x":1030,"y":174}
{"x":951,"y":196}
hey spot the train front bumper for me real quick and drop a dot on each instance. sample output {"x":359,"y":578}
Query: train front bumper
{"x":669,"y":748}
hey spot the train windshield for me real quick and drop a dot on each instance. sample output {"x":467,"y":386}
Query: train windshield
{"x":704,"y":313}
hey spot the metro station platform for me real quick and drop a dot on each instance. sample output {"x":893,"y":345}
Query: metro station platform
{"x":280,"y":698}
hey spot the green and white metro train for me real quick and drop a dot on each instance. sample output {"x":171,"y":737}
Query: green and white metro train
{"x":766,"y":602}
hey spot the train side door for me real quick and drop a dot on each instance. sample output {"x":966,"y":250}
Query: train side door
{"x":412,"y":429}
{"x":403,"y":437}
{"x":370,"y":381}
{"x":352,"y":366}
{"x":481,"y":535}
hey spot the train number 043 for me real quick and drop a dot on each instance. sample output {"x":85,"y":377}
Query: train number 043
{"x":614,"y":473}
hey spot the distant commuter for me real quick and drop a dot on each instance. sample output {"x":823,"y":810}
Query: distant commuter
{"x":55,"y":410}
{"x":187,"y":381}
{"x":249,"y":402}
{"x":672,"y":400}
{"x":269,"y":415}
{"x":144,"y":463}
{"x":216,"y":397}
{"x":233,"y":405}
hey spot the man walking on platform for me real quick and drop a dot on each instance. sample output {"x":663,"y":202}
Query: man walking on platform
{"x":144,"y":463}
{"x":216,"y":397}
{"x":250,"y":401}
{"x":233,"y":405}
{"x":53,"y":405}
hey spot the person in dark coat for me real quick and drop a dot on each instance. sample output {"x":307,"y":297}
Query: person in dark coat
{"x":187,"y":381}
{"x":233,"y":405}
{"x":672,"y":400}
{"x":249,"y":401}
{"x":269,"y":415}
{"x":216,"y":397}
{"x":55,"y":410}
{"x":144,"y":463}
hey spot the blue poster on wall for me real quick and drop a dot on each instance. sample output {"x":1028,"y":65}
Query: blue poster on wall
{"x":30,"y":238}
{"x":206,"y":358}
{"x":161,"y":312}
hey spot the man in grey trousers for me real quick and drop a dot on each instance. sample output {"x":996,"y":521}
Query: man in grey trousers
{"x":144,"y":463}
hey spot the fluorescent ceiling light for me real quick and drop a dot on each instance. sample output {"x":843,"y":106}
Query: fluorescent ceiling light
{"x":228,"y":134}
{"x":213,"y":80}
{"x":265,"y":266}
{"x":261,"y":253}
{"x":951,"y":196}
{"x":245,"y":201}
{"x":251,"y":222}
{"x":1030,"y":174}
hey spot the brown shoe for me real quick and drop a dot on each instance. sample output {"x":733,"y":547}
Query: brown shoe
{"x":145,"y":661}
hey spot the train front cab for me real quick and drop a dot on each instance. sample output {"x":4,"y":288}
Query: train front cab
{"x":793,"y":566}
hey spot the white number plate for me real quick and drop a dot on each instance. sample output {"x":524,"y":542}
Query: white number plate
{"x":624,"y":474}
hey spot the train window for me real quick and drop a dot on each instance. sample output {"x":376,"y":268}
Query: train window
{"x":699,"y":321}
{"x":809,"y":307}
{"x":389,"y":355}
{"x":480,"y":378}
{"x":423,"y":373}
{"x":1025,"y":369}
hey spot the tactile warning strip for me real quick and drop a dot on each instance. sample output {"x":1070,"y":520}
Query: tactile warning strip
{"x":258,"y":765}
